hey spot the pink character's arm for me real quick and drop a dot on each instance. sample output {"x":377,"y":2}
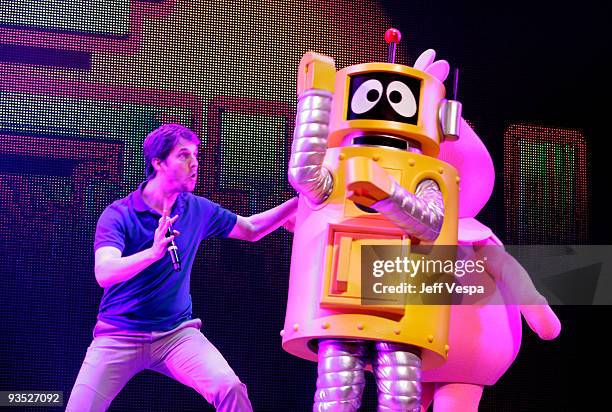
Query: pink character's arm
{"x":509,"y":273}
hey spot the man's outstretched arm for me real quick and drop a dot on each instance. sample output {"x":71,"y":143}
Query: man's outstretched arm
{"x":255,"y":227}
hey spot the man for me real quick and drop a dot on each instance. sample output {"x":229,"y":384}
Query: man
{"x":144,"y":321}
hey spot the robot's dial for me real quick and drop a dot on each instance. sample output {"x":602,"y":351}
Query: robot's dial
{"x":384,"y":96}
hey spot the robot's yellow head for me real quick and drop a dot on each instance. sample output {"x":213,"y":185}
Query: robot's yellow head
{"x":385,"y":104}
{"x":386,"y":101}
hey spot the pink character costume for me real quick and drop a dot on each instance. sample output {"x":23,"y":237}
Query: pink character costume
{"x":484,"y":339}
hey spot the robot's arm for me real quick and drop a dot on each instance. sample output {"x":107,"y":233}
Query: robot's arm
{"x":315,"y":87}
{"x":419,"y":214}
{"x":306,"y":172}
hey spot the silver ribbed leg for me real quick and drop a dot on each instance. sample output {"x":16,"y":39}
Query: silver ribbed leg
{"x":341,"y":375}
{"x":397,"y":369}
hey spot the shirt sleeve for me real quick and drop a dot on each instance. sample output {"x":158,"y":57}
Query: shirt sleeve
{"x":218,"y":221}
{"x":110,"y":230}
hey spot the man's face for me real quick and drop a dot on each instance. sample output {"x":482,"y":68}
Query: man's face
{"x":179,"y":171}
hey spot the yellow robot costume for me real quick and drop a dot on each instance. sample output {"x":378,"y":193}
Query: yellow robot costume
{"x":364,"y":162}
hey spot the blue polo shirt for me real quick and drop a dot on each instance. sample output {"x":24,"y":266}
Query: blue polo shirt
{"x":158,"y":298}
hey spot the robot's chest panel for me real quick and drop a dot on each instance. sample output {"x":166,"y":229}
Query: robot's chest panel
{"x":406,"y":168}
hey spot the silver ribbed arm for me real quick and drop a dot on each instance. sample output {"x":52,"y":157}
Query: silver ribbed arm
{"x":306,"y":172}
{"x":398,"y":377}
{"x":341,"y":375}
{"x":420,"y":214}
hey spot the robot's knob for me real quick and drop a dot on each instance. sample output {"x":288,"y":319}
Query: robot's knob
{"x":393,"y":36}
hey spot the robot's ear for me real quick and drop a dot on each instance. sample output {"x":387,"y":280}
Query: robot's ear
{"x":439,"y":70}
{"x":425,"y":59}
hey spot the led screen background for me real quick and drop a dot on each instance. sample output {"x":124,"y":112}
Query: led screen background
{"x":82,"y":83}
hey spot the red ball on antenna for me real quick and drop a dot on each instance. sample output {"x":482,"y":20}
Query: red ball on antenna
{"x":393,"y":35}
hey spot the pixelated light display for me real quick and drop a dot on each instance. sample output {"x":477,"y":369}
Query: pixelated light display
{"x":263,"y":160}
{"x":545,"y":185}
{"x":101,"y":17}
{"x":225,"y":69}
{"x":83,"y":26}
{"x":88,"y":120}
{"x":70,"y":139}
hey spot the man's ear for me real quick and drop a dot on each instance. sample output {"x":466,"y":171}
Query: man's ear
{"x":156,"y":164}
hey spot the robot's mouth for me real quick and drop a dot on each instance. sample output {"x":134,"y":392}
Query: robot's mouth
{"x":386,"y":141}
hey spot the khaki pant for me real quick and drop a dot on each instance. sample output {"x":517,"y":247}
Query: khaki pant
{"x":184,"y":354}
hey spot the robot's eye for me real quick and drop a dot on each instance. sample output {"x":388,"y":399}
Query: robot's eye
{"x":401,"y":99}
{"x":366,"y":96}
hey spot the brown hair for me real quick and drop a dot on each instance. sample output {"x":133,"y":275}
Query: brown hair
{"x":159,"y":143}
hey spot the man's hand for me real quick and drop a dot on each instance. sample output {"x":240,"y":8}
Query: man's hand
{"x":112,"y":268}
{"x":160,"y":241}
{"x":289,"y":224}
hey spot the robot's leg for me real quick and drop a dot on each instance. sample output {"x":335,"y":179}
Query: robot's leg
{"x":397,"y":369}
{"x":341,"y":375}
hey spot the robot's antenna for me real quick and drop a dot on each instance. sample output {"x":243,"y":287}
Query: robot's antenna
{"x":456,"y":84}
{"x":392,"y":37}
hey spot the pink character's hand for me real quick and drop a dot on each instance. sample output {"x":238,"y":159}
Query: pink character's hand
{"x":510,"y":275}
{"x":542,"y":320}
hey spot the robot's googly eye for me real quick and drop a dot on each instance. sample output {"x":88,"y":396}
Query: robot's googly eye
{"x":366,"y":96}
{"x":401,"y":99}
